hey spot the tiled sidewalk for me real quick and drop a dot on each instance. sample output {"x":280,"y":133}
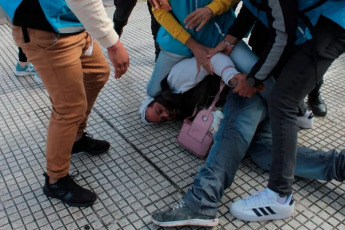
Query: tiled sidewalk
{"x":145,"y":169}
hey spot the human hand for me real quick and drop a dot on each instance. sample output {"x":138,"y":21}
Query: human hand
{"x":242,"y":88}
{"x":226,"y":46}
{"x":160,"y":4}
{"x":199,"y":18}
{"x":200,"y":52}
{"x":221,"y":47}
{"x":119,"y":58}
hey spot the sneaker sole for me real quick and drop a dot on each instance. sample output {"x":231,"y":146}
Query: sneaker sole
{"x":22,"y":73}
{"x":38,"y":80}
{"x":49,"y":194}
{"x":93,"y":153}
{"x":192,"y":222}
{"x":262,"y":218}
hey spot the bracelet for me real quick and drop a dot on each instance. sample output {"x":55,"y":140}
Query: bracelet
{"x":228,"y":43}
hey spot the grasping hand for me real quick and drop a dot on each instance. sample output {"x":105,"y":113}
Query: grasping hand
{"x":160,"y":4}
{"x":226,"y":46}
{"x":199,"y":18}
{"x":243,"y":89}
{"x":119,"y":58}
{"x":200,"y":52}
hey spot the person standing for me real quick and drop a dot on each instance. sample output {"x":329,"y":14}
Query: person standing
{"x":74,"y":70}
{"x":121,"y":15}
{"x":305,"y":38}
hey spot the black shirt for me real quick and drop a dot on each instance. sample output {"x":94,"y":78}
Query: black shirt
{"x":30,"y":14}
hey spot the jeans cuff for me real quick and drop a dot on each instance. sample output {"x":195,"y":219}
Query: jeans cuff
{"x":195,"y":205}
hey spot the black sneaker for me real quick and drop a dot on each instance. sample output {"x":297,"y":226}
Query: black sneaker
{"x":182,"y":215}
{"x":317,"y":105}
{"x":89,"y":145}
{"x":69,"y":192}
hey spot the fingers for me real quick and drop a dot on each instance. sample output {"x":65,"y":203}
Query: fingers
{"x":165,"y":4}
{"x":201,"y":25}
{"x":198,"y":67}
{"x":209,"y":68}
{"x":158,"y":3}
{"x":155,"y":4}
{"x":199,"y":18}
{"x":121,"y":69}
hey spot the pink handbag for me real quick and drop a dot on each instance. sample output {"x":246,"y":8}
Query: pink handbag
{"x":194,"y":134}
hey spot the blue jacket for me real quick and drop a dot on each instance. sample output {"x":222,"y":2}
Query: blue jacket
{"x":58,"y":14}
{"x":210,"y":35}
{"x":332,"y":9}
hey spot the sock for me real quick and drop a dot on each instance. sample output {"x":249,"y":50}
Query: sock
{"x":281,"y":199}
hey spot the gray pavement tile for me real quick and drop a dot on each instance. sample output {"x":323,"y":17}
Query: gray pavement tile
{"x":145,"y":170}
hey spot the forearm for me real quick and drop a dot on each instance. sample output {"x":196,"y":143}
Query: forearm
{"x":95,"y":20}
{"x":243,"y":23}
{"x":223,"y":67}
{"x":283,"y":19}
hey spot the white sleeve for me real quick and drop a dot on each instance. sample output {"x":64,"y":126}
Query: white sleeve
{"x":223,"y":67}
{"x":184,"y":76}
{"x":95,"y":20}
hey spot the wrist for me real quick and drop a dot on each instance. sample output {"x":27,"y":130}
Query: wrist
{"x":230,"y":40}
{"x":233,"y":82}
{"x":211,"y":13}
{"x":191,"y":43}
{"x":115,"y":46}
{"x":229,"y":44}
{"x":252,"y":81}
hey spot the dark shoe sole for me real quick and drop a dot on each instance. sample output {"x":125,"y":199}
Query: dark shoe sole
{"x":51,"y":195}
{"x":93,"y":153}
{"x":191,"y":222}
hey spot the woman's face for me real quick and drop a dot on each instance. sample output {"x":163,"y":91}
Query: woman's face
{"x":157,"y":113}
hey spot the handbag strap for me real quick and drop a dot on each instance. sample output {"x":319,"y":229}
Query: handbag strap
{"x":216,"y":98}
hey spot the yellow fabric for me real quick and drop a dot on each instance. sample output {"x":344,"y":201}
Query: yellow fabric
{"x":219,"y":7}
{"x":169,"y":22}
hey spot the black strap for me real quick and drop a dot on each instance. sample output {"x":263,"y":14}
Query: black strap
{"x":25,"y":34}
{"x":319,"y":3}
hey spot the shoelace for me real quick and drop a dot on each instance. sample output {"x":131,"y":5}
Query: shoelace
{"x":70,"y":180}
{"x":181,"y":204}
{"x":74,"y":174}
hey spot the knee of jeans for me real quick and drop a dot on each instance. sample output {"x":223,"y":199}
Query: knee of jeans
{"x":79,"y":112}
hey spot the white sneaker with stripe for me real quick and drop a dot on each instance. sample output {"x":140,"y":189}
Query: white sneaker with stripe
{"x":262,"y":206}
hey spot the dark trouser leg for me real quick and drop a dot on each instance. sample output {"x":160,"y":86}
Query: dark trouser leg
{"x":154,"y":30}
{"x":298,"y":77}
{"x":21,"y":55}
{"x":122,"y":12}
{"x":317,"y":105}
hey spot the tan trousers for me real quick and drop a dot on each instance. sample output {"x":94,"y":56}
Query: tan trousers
{"x":73,"y":81}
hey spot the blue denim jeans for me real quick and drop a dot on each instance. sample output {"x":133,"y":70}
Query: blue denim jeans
{"x":242,"y":56}
{"x":246,"y":129}
{"x":304,"y":69}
